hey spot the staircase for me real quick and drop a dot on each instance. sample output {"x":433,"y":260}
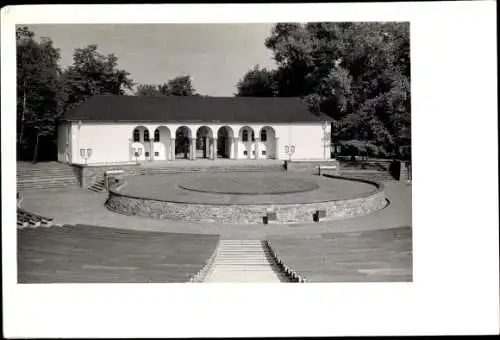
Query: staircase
{"x":98,"y":186}
{"x":371,"y":175}
{"x":26,"y":219}
{"x":45,"y":176}
{"x":243,"y":261}
{"x":218,"y":168}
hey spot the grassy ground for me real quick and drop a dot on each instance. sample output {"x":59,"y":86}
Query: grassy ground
{"x":376,"y":256}
{"x":89,"y":254}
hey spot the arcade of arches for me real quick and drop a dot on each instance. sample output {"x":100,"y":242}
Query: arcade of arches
{"x":185,"y":143}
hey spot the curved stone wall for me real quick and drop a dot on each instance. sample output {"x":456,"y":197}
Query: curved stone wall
{"x":246,"y":213}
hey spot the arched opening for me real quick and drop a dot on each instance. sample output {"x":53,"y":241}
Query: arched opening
{"x":204,"y":137}
{"x":182,"y":143}
{"x":161,"y":144}
{"x":225,"y":142}
{"x":140,"y":147}
{"x":267,"y":146}
{"x":246,"y":148}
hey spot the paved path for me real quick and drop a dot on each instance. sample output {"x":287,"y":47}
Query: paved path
{"x":243,"y":261}
{"x":78,"y":206}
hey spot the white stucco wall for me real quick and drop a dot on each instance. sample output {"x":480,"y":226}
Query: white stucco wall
{"x":112,"y":142}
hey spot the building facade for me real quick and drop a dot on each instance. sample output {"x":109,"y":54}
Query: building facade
{"x":119,"y":129}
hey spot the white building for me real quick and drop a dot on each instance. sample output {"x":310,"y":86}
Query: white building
{"x":119,"y":129}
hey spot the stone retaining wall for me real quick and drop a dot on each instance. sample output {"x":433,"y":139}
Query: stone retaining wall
{"x":88,"y":175}
{"x":245,"y":214}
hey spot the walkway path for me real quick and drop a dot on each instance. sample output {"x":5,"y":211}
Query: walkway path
{"x":243,"y":261}
{"x":78,"y":206}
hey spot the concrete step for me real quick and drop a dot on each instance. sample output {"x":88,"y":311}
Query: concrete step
{"x":242,"y":261}
{"x":45,"y":184}
{"x":42,"y":187}
{"x":46,"y":179}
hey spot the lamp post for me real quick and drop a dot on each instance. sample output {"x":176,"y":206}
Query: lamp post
{"x":289,"y":150}
{"x":137,"y":154}
{"x":86,"y":154}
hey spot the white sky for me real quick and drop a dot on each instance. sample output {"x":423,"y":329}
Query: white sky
{"x":215,"y":55}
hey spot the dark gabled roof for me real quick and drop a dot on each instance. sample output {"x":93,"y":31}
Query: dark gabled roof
{"x":114,"y":108}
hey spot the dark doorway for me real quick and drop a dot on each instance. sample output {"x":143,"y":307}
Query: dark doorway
{"x":224,"y":142}
{"x":182,"y":143}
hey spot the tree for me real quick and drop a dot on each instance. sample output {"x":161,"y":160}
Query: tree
{"x":44,"y":91}
{"x":179,"y":86}
{"x":39,"y":102}
{"x":147,"y":90}
{"x":356,"y":73}
{"x":257,"y":82}
{"x":93,"y":73}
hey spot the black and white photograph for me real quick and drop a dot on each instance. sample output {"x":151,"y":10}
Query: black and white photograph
{"x":182,"y":169}
{"x":245,"y":152}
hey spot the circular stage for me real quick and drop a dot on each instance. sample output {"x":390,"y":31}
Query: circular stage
{"x":245,"y":197}
{"x":248,"y":184}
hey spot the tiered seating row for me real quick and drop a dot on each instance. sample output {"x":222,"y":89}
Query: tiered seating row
{"x":368,"y":256}
{"x":26,"y":219}
{"x":87,"y":254}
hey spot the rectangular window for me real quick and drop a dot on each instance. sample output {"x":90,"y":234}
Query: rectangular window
{"x":253,"y":152}
{"x":263,"y":152}
{"x":147,"y":153}
{"x":157,"y":153}
{"x":245,"y":152}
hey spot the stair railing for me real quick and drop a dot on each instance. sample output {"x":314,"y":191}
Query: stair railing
{"x":201,"y":275}
{"x":293,"y":275}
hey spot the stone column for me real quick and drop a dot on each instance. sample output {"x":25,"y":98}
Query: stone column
{"x":130,"y":151}
{"x":249,"y":150}
{"x":214,"y":149}
{"x":229,"y":147}
{"x":151,"y":150}
{"x":257,"y":148}
{"x":192,"y":148}
{"x":172,"y":149}
{"x":276,"y":148}
{"x":206,"y":140}
{"x":235,"y":147}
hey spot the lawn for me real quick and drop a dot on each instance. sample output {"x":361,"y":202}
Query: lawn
{"x":373,"y":256}
{"x":86,"y":254}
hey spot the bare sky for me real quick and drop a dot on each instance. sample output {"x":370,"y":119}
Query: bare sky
{"x":216,"y":56}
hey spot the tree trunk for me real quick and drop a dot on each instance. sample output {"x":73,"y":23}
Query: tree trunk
{"x":21,"y":134}
{"x":35,"y":153}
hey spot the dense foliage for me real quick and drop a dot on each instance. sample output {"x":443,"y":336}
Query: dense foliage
{"x":45,"y":91}
{"x":356,"y":73}
{"x":179,"y":86}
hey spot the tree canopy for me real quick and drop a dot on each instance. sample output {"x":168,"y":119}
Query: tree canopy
{"x":45,"y":91}
{"x":258,"y":82}
{"x":38,"y":92}
{"x":178,"y":86}
{"x":356,"y":73}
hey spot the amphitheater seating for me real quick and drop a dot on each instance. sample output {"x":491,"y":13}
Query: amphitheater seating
{"x":26,"y":219}
{"x":49,"y":175}
{"x":86,"y":254}
{"x":376,"y":256}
